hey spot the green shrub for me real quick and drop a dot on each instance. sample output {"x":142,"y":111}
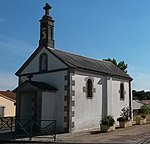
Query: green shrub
{"x":108,"y":120}
{"x":144,"y":110}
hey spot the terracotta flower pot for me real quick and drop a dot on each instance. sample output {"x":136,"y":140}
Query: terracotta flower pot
{"x":106,"y":128}
{"x":140,"y":120}
{"x":125,"y":124}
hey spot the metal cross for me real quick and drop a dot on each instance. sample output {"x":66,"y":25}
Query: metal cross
{"x":47,"y":8}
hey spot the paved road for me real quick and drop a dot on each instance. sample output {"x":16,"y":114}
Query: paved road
{"x":137,"y":134}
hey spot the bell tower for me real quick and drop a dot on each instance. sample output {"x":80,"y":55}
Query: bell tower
{"x":47,"y":29}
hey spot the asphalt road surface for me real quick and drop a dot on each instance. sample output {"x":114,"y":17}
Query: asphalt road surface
{"x":137,"y":134}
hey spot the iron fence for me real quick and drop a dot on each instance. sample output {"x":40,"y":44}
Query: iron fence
{"x":31,"y":128}
{"x":28,"y":128}
{"x":7,"y":123}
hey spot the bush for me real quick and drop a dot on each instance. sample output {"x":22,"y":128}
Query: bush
{"x":108,"y":120}
{"x":144,"y":110}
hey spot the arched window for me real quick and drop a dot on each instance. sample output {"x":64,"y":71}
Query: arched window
{"x":43,"y":62}
{"x":122,"y":91}
{"x":89,"y":86}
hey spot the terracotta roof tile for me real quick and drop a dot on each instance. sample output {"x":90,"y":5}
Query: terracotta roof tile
{"x":145,"y":101}
{"x":8,"y":94}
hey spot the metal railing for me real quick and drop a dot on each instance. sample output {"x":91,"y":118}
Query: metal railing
{"x":27,"y":127}
{"x":32,"y":128}
{"x":7,"y":123}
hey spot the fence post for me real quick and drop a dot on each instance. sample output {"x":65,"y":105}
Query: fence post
{"x":55,"y":131}
{"x":16,"y":128}
{"x":31,"y":125}
{"x":11,"y":123}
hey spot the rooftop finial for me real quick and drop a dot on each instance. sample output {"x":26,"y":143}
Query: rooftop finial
{"x":47,"y":8}
{"x":47,"y":29}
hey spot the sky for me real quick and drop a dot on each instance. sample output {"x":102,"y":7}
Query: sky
{"x":98,"y":29}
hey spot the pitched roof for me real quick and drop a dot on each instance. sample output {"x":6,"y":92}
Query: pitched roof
{"x":136,"y":104}
{"x":81,"y":62}
{"x":42,"y":85}
{"x":37,"y":85}
{"x":28,"y":61}
{"x":8,"y":95}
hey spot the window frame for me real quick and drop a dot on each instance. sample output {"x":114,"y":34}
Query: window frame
{"x":122,"y":94}
{"x":40,"y":62}
{"x":89,"y":87}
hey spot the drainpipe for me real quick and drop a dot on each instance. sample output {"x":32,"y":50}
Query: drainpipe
{"x":130,"y":99}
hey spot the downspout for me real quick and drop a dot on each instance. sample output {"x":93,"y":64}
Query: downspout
{"x":130,"y":99}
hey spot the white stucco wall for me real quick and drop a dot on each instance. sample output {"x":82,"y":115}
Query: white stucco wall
{"x":53,"y":63}
{"x":49,"y":109}
{"x":48,"y":106}
{"x":56,"y":79}
{"x":88,"y":112}
{"x":106,"y":100}
{"x":117,"y":103}
{"x":26,"y":106}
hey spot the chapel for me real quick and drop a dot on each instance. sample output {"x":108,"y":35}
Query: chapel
{"x":74,"y":90}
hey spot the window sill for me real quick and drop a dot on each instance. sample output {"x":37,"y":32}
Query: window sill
{"x":122,"y":99}
{"x":89,"y":97}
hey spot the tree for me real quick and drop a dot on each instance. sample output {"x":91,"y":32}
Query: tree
{"x":134,"y":95}
{"x":141,"y":95}
{"x":122,"y":65}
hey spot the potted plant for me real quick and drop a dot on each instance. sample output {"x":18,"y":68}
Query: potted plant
{"x":144,"y":110}
{"x":107,"y":124}
{"x":143,"y":119}
{"x":124,"y":119}
{"x":140,"y":120}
